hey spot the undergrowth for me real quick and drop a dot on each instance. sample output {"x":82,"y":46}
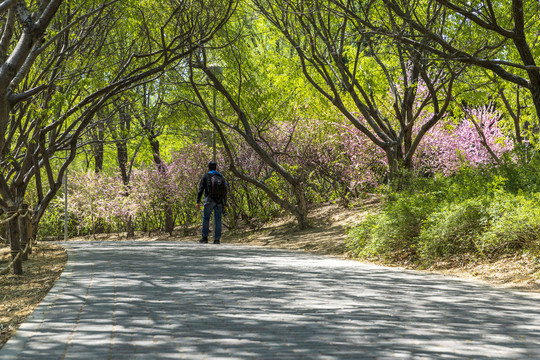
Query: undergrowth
{"x":481,"y":213}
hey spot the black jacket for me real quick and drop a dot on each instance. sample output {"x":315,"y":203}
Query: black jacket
{"x":203,"y":186}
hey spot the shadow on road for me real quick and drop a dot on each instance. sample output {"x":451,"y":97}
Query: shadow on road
{"x":162,"y":300}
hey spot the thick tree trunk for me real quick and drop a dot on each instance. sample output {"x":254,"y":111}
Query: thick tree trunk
{"x":397,"y":168}
{"x":130,"y":230}
{"x":14,"y":240}
{"x":301,"y":207}
{"x":23,"y":231}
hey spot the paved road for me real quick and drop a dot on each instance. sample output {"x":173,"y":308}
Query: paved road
{"x":163,"y":300}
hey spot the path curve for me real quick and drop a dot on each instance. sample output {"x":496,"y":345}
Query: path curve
{"x":174,"y":300}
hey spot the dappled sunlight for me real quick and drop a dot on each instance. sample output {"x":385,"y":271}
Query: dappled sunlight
{"x":133,"y":298}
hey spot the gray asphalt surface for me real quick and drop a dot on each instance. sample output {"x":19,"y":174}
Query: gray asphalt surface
{"x":166,"y":300}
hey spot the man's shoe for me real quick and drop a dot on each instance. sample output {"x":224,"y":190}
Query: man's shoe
{"x":204,"y":240}
{"x":217,"y":242}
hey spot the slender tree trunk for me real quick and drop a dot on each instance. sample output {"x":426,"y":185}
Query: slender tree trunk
{"x":122,"y":154}
{"x":98,"y":148}
{"x":121,"y":150}
{"x":130,"y":230}
{"x":169,"y":219}
{"x":168,"y":211}
{"x":154,"y":144}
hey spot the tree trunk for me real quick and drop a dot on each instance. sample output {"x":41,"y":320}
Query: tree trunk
{"x":98,"y":148}
{"x":397,"y":168}
{"x":169,"y":219}
{"x":535,"y":92}
{"x":391,"y":158}
{"x":121,"y":148}
{"x":23,"y":231}
{"x":130,"y":230}
{"x":301,"y":206}
{"x":154,"y":143}
{"x":14,"y":240}
{"x":4,"y":120}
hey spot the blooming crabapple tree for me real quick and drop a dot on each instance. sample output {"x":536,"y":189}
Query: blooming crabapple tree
{"x":476,"y":140}
{"x":100,"y":197}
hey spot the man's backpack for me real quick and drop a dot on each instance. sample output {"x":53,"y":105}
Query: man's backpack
{"x":217,"y":187}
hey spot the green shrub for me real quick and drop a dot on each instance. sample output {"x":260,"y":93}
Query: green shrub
{"x":483,"y":212}
{"x":515,"y":225}
{"x":393,"y":233}
{"x":454,"y":229}
{"x":522,"y":176}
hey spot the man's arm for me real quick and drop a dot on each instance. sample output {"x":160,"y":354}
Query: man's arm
{"x":202,"y":186}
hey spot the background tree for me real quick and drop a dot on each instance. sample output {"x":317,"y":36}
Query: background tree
{"x":249,"y":110}
{"x":67,"y":63}
{"x":384,"y":88}
{"x":151,"y":105}
{"x":499,"y":36}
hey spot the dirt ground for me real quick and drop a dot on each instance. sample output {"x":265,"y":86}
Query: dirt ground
{"x":20,"y":295}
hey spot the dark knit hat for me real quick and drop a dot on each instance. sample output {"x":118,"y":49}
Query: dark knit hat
{"x":212,"y":165}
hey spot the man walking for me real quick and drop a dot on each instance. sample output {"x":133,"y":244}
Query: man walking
{"x":214,"y":187}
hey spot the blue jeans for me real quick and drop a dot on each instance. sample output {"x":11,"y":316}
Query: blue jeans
{"x":209,"y":206}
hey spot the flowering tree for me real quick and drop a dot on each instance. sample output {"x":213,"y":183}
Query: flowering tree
{"x":359,"y":72}
{"x":96,"y":198}
{"x":101,"y":197}
{"x":475,"y":140}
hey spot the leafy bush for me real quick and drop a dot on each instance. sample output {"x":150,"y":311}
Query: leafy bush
{"x":515,"y":225}
{"x":52,"y":223}
{"x":481,"y":212}
{"x":392,"y":233}
{"x":454,"y":229}
{"x":522,"y":176}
